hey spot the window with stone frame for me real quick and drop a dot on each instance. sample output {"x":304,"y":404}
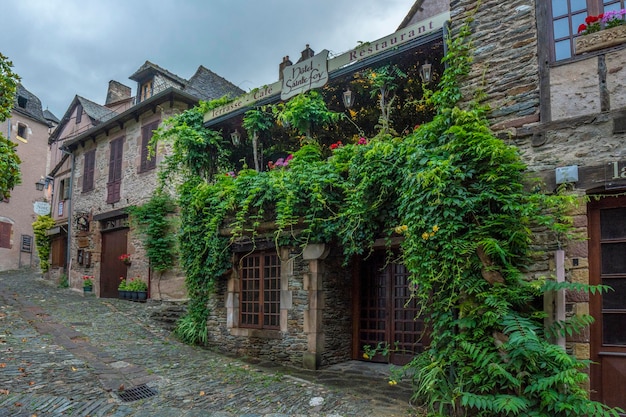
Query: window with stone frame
{"x":259,"y":298}
{"x":148,"y":162}
{"x":565,"y":18}
{"x":89,"y":170}
{"x":5,"y":235}
{"x":22,"y":130}
{"x":115,"y":170}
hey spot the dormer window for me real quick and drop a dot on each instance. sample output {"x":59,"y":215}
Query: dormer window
{"x":22,"y":101}
{"x":146,"y":91}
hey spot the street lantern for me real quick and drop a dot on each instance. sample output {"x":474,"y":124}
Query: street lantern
{"x":348,"y":98}
{"x":426,"y":72}
{"x":235,"y":137}
{"x":40,"y":185}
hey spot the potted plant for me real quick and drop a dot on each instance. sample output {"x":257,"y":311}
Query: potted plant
{"x":138,"y":288}
{"x":87,"y":283}
{"x":125,"y":258}
{"x":601,"y":31}
{"x":122,"y":289}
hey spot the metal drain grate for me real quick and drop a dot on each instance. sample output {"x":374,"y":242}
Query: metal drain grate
{"x":136,"y":393}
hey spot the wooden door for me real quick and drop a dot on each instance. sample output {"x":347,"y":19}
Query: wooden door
{"x":607,"y":266}
{"x":111,"y":268}
{"x":387,"y":314}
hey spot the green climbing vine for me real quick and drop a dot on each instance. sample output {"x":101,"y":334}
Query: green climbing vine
{"x":457,"y":196}
{"x":156,"y":223}
{"x":42,"y":240}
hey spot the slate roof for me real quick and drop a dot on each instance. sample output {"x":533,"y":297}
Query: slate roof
{"x":207,"y":85}
{"x":148,"y":68}
{"x":95,"y":111}
{"x":49,"y":116}
{"x":32,"y":107}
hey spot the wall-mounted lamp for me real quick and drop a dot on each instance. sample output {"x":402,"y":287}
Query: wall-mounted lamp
{"x":235,"y":137}
{"x":348,"y":98}
{"x":40,"y":185}
{"x":426,"y":72}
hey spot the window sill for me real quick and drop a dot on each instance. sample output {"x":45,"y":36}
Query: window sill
{"x":260,"y":333}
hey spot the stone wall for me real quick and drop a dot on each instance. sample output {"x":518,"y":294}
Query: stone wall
{"x":505,"y":57}
{"x":301,"y":341}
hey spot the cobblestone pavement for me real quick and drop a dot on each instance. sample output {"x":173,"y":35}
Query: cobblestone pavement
{"x":63,"y":353}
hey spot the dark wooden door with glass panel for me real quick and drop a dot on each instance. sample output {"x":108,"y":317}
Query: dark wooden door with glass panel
{"x":607,"y":266}
{"x":387,"y":314}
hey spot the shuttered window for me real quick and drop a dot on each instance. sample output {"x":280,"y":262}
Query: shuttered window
{"x":148,"y":162}
{"x":115,"y":171}
{"x":5,"y":235}
{"x":88,"y":170}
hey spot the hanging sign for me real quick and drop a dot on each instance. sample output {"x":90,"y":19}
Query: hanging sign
{"x":304,"y":76}
{"x":41,"y":208}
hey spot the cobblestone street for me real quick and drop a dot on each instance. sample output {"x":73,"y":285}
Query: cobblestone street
{"x":63,"y":353}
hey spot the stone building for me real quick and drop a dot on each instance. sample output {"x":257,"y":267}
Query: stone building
{"x":559,"y":97}
{"x":306,"y":308}
{"x":28,"y":127}
{"x":555,"y":94}
{"x":102,"y":161}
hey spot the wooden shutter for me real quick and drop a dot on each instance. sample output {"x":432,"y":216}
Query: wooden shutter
{"x":115,"y":171}
{"x":147,"y":163}
{"x":89,"y":169}
{"x":5,"y":235}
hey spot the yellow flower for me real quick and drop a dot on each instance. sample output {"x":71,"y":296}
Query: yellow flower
{"x":366,"y":356}
{"x":435,"y":228}
{"x":393,"y":382}
{"x":425,"y":235}
{"x":431,"y":234}
{"x":398,"y":229}
{"x":405,"y":227}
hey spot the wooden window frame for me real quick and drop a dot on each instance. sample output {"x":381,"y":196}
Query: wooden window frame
{"x":594,"y":7}
{"x":89,"y":170}
{"x":147,"y":163}
{"x":259,"y":291}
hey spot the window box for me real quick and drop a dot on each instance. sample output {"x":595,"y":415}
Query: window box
{"x":600,"y":40}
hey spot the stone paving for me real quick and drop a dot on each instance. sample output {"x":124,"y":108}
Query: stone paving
{"x":63,"y":353}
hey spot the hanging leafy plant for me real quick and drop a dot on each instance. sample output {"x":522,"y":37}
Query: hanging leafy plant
{"x":256,"y":121}
{"x":305,"y":111}
{"x":156,"y":224}
{"x":43,"y":242}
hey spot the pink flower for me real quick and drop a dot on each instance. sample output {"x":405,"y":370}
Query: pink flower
{"x":362,"y":141}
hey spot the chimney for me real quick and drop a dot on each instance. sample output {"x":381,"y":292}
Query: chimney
{"x":286,"y":62}
{"x":117,"y":92}
{"x":306,"y":54}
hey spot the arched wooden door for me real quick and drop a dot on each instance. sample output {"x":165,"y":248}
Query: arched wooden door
{"x":607,"y":266}
{"x":387,"y":314}
{"x":111,"y":268}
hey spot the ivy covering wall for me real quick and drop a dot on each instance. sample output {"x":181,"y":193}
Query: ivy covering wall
{"x":458,"y":197}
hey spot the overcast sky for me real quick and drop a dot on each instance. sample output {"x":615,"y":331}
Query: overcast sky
{"x":61,"y":48}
